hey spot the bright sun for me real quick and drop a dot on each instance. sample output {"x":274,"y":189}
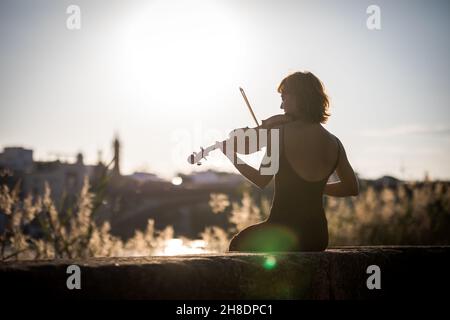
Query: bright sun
{"x":176,"y":46}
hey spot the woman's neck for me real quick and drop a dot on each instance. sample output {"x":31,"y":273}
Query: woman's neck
{"x":298,"y":118}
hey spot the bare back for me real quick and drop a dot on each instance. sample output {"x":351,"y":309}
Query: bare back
{"x":311,"y":150}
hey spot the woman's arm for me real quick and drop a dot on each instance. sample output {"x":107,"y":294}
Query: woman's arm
{"x":261,"y":181}
{"x":338,"y":189}
{"x":253,"y":175}
{"x":348,"y":184}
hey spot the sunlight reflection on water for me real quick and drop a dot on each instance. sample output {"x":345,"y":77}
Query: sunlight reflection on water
{"x":177,"y":246}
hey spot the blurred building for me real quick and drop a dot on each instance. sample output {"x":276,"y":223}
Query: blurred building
{"x":144,"y":177}
{"x":211,"y":178}
{"x":63,"y":177}
{"x":17,"y":159}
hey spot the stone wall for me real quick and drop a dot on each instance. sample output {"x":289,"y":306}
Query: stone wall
{"x":405,"y":272}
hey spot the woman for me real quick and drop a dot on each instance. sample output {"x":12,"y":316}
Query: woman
{"x":308,"y":155}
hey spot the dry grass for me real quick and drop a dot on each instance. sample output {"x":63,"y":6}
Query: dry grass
{"x":409,"y":214}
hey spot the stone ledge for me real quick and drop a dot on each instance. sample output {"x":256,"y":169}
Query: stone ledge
{"x":414,"y":272}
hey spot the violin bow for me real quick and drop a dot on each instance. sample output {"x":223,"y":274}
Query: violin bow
{"x":195,"y":157}
{"x":248,"y":105}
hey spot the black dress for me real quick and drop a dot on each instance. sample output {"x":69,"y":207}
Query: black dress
{"x":297,"y":220}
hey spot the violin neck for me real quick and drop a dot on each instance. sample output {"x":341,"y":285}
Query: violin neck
{"x":214,"y":146}
{"x":196,"y":157}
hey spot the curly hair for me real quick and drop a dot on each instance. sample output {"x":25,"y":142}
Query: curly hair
{"x":312,"y":100}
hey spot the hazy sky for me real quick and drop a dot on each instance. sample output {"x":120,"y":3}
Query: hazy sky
{"x":165,"y":74}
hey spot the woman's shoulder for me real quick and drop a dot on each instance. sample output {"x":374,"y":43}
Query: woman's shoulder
{"x":311,"y":131}
{"x":297,"y":127}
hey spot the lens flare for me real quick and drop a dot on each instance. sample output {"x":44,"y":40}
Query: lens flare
{"x":269,"y":238}
{"x":270,"y":263}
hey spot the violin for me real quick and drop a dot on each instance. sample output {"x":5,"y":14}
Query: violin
{"x":269,"y":123}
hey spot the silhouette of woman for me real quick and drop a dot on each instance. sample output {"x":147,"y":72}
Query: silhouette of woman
{"x":308,"y":155}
